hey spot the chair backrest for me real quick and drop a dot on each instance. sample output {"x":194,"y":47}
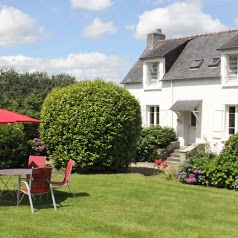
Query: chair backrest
{"x":68,"y":171}
{"x":40,"y":180}
{"x":36,"y":161}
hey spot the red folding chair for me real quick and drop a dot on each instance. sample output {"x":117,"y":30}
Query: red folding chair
{"x":65,"y":181}
{"x":39,"y":184}
{"x":36,"y":161}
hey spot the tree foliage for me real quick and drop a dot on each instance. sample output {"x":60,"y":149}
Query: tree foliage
{"x":13,"y":146}
{"x":96,"y":123}
{"x":24,"y":93}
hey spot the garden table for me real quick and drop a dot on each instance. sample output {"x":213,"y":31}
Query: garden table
{"x":10,"y":173}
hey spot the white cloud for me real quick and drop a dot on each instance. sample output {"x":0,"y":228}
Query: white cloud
{"x":176,"y":20}
{"x":98,"y":28}
{"x":94,"y":5}
{"x":16,"y":27}
{"x":236,"y":21}
{"x":82,"y":65}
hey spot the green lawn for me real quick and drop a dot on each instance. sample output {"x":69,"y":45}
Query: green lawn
{"x":125,"y":205}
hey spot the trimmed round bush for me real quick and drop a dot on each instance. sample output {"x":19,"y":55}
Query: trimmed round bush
{"x":95,"y":123}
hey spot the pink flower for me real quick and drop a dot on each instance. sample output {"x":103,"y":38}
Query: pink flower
{"x":165,"y":165}
{"x":158,"y":161}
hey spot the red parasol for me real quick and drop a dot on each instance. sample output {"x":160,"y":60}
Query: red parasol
{"x":11,"y":117}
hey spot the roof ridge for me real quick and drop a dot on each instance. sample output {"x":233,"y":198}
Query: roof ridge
{"x":198,"y":35}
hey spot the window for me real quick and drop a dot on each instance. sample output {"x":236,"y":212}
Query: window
{"x":154,"y":115}
{"x":232,"y":120}
{"x":232,"y":69}
{"x":193,"y":120}
{"x":196,"y":63}
{"x":214,"y":62}
{"x":153,"y":72}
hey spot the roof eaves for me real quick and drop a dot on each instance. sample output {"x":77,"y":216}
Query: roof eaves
{"x":205,"y":77}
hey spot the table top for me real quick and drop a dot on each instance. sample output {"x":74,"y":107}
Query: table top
{"x":15,"y":171}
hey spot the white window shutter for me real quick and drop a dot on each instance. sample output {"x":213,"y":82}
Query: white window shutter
{"x":218,"y":121}
{"x":163,"y":117}
{"x":144,"y":115}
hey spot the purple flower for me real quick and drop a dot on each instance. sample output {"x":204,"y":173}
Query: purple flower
{"x":187,"y":165}
{"x":36,"y":139}
{"x":191,"y":175}
{"x":191,"y":180}
{"x":42,"y":147}
{"x":197,"y":171}
{"x":181,"y":175}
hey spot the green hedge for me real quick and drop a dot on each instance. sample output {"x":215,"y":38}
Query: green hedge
{"x":96,"y":123}
{"x":152,"y":138}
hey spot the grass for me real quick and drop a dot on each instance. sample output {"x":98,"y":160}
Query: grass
{"x":125,"y":205}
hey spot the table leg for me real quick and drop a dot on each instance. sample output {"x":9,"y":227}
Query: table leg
{"x":5,"y":186}
{"x":18,"y":190}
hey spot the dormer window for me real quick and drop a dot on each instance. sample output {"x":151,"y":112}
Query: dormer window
{"x":229,"y":68}
{"x":153,"y":71}
{"x":196,"y":63}
{"x":232,"y":67}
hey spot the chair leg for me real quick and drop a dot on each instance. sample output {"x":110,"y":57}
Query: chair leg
{"x":31,"y":203}
{"x":53,"y":197}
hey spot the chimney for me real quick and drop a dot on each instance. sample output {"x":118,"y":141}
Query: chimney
{"x":153,"y":37}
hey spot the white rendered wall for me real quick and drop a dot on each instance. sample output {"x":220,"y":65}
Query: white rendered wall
{"x":214,"y":97}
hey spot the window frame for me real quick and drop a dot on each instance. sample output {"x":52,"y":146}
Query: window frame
{"x":155,"y":119}
{"x":196,"y":63}
{"x":229,"y":68}
{"x":153,"y":84}
{"x":150,"y":79}
{"x":228,"y":120}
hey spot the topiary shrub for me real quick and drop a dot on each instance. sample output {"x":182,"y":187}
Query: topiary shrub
{"x":151,"y":139}
{"x":13,"y":146}
{"x":231,"y":146}
{"x":96,"y":123}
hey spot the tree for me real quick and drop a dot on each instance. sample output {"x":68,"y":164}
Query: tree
{"x":24,"y":93}
{"x":95,"y":123}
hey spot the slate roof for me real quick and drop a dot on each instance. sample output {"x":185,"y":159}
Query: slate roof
{"x":204,"y":46}
{"x":233,"y":43}
{"x":163,"y":47}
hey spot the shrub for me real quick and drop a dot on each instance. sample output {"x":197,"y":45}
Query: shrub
{"x":219,"y":171}
{"x":151,"y":139}
{"x":96,"y":123}
{"x":13,"y":147}
{"x":231,"y":146}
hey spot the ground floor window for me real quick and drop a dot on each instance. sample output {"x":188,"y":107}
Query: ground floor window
{"x":153,"y":115}
{"x":232,"y":119}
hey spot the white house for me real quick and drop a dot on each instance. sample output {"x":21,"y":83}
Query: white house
{"x":190,"y":84}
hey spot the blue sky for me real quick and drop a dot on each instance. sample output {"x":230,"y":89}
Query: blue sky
{"x":99,"y":38}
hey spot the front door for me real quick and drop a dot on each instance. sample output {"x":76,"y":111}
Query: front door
{"x":190,"y":124}
{"x":192,"y":128}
